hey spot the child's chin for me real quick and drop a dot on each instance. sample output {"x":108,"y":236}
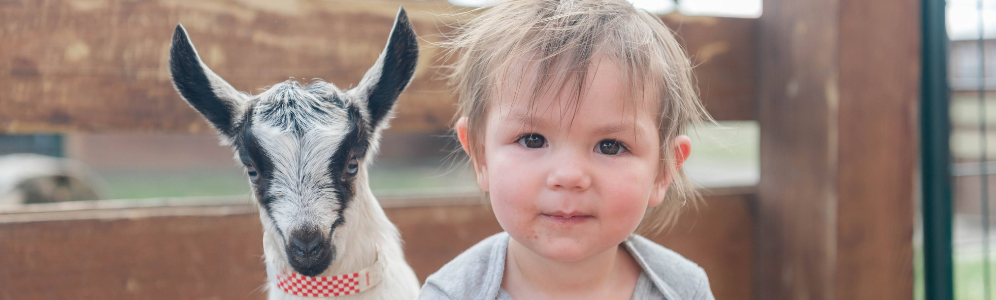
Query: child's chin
{"x":560,"y":249}
{"x":566,"y":257}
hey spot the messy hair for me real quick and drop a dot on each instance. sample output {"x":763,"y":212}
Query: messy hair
{"x":556,"y":41}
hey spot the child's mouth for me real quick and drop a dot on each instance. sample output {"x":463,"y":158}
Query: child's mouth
{"x":567,"y":219}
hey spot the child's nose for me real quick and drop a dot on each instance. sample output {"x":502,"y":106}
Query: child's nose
{"x":568,"y":176}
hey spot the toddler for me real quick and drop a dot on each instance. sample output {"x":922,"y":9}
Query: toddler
{"x":572,"y":112}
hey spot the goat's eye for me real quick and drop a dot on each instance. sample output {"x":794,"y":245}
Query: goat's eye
{"x":253,"y":174}
{"x":610,"y":147}
{"x":353,"y":166}
{"x":532,"y":140}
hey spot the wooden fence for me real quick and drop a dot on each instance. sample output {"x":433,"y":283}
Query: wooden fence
{"x":212,"y":249}
{"x":102,"y":66}
{"x":833,"y":84}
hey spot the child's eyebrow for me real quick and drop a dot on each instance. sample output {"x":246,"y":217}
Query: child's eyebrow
{"x":617,"y":128}
{"x":527,"y":120}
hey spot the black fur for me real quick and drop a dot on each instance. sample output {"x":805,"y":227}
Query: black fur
{"x":397,"y":66}
{"x":251,"y":153}
{"x":381,"y":87}
{"x":190,"y":79}
{"x":355,"y":144}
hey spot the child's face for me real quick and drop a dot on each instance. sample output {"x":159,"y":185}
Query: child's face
{"x":568,"y":188}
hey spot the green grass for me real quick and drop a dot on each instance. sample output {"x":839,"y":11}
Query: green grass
{"x":918,"y":291}
{"x":729,"y":141}
{"x":968,"y":277}
{"x":138,"y":184}
{"x":432,"y":174}
{"x":728,"y":148}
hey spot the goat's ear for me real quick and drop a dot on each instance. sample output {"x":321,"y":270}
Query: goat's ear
{"x":391,"y":73}
{"x":210,"y":95}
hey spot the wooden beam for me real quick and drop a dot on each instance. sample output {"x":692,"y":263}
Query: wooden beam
{"x":212,"y":250}
{"x":837,"y":94}
{"x":879,"y":79}
{"x":102,"y":65}
{"x":722,"y":49}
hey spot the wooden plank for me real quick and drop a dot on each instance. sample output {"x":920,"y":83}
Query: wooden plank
{"x":156,"y":258}
{"x":837,"y":109}
{"x":74,"y":65}
{"x":722,"y":49}
{"x":219,"y":256}
{"x":878,"y":152}
{"x":796,"y":220}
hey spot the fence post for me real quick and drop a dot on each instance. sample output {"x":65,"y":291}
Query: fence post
{"x":935,"y":155}
{"x":837,"y":94}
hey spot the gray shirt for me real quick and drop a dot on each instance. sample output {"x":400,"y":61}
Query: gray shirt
{"x":644,"y":289}
{"x":477,"y":273}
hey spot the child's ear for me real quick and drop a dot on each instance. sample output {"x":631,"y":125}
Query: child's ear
{"x":682,"y":149}
{"x":480,"y":169}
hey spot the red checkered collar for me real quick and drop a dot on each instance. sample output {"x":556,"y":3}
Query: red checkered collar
{"x":332,"y":286}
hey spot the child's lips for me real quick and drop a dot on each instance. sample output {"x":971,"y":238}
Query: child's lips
{"x":567,"y":219}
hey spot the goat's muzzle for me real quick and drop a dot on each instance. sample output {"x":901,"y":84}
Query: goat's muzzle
{"x":309,"y":253}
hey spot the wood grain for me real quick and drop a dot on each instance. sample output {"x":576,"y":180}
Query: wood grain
{"x":797,"y":195}
{"x":838,"y":89}
{"x":878,"y":129}
{"x":101,"y":65}
{"x":723,"y":51}
{"x":219,"y":256}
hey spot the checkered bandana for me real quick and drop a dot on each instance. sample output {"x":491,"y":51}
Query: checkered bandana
{"x":332,"y":286}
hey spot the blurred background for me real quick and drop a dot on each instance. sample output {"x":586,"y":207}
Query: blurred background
{"x":971,"y":27}
{"x":136,"y":165}
{"x":111,"y":186}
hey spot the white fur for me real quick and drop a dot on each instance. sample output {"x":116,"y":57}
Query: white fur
{"x":357,"y":240}
{"x":300,"y":131}
{"x":305,"y":198}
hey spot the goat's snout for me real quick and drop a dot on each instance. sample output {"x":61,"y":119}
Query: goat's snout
{"x":306,"y":245}
{"x":309,"y":253}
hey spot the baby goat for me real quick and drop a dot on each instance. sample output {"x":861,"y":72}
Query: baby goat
{"x":306,"y":149}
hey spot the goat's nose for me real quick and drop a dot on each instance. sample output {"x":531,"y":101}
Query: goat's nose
{"x":309,"y":253}
{"x":306,"y":244}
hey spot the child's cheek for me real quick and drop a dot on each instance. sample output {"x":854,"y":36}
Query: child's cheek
{"x":513,"y":189}
{"x":513,"y":211}
{"x":625,"y":198}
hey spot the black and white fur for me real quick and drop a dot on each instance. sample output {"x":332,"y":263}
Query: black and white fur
{"x":306,"y":150}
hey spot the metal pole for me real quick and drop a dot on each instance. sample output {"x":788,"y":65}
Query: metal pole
{"x":983,"y":160}
{"x":935,"y":152}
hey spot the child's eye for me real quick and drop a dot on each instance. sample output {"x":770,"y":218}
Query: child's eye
{"x":532,"y":140}
{"x":610,"y":147}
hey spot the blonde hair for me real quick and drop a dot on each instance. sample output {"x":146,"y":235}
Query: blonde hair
{"x":558,"y":40}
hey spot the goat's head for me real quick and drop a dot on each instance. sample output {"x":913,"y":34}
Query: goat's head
{"x":303,"y":147}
